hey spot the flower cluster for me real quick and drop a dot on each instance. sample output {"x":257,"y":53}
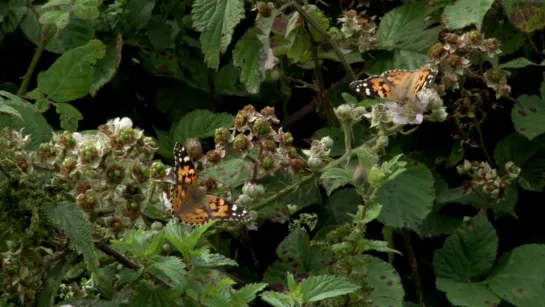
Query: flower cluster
{"x":358,"y":29}
{"x":484,"y":176}
{"x":453,"y":56}
{"x":253,"y":129}
{"x":318,"y":153}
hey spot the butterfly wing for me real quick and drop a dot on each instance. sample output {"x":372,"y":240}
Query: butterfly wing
{"x":382,"y":86}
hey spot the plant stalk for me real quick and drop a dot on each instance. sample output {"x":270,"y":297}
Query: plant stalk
{"x":37,"y":55}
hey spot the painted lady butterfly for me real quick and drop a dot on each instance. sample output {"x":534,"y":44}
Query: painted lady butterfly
{"x":191,"y":202}
{"x":399,"y":85}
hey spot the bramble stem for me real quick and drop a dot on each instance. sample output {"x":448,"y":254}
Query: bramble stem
{"x":327,"y":37}
{"x":37,"y":55}
{"x":406,"y":235}
{"x":481,"y":141}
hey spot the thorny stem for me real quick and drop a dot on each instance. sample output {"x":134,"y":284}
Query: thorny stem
{"x":126,"y":262}
{"x":481,"y":140}
{"x":406,"y":235}
{"x":326,"y":36}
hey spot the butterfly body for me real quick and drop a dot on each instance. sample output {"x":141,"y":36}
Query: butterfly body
{"x":399,"y":85}
{"x":191,"y":202}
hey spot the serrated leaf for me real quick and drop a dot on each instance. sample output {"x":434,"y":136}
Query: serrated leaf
{"x":248,"y":56}
{"x":207,"y":260}
{"x":318,"y":288}
{"x":467,"y":255}
{"x":68,"y":218}
{"x":514,"y":148}
{"x":408,"y":198}
{"x":158,"y":296}
{"x":383,"y":279}
{"x":171,"y":267}
{"x":463,"y":13}
{"x":248,"y":293}
{"x":70,"y":116}
{"x":50,"y":17}
{"x":404,"y":28}
{"x":32,"y":120}
{"x":51,"y":3}
{"x":70,"y":77}
{"x":518,"y":63}
{"x":231,"y":173}
{"x":200,"y":124}
{"x":106,"y":67}
{"x":185,"y":238}
{"x":53,"y":279}
{"x":226,"y":81}
{"x":334,"y":178}
{"x":136,"y":242}
{"x":216,"y":20}
{"x":528,"y":116}
{"x":519,"y":277}
{"x":139,"y":12}
{"x":379,"y":246}
{"x":277,"y":299}
{"x":527,"y":16}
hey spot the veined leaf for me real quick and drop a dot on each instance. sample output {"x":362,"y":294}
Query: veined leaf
{"x":70,"y":116}
{"x":106,"y":68}
{"x":528,"y":115}
{"x":68,"y":218}
{"x":463,"y":13}
{"x":248,"y":293}
{"x":70,"y":77}
{"x":200,"y":124}
{"x":248,"y":56}
{"x":334,"y":178}
{"x":171,"y":267}
{"x":206,"y":259}
{"x":5,"y":109}
{"x":216,"y":20}
{"x":277,"y":299}
{"x":318,"y":288}
{"x":385,"y":282}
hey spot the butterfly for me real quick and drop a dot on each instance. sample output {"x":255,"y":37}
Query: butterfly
{"x":399,"y":85}
{"x":191,"y":202}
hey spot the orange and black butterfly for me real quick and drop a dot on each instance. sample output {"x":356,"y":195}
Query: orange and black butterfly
{"x":191,"y":203}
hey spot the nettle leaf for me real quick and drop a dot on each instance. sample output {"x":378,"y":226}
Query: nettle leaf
{"x":379,"y":246}
{"x":525,"y":15}
{"x":384,"y":281}
{"x":519,"y":277}
{"x":200,"y":124}
{"x":208,"y":260}
{"x":408,"y":198}
{"x":156,"y":296}
{"x":248,"y":55}
{"x":184,"y":237}
{"x":404,"y":28}
{"x":53,"y":279}
{"x":70,"y":116}
{"x":68,"y":218}
{"x":247,"y":293}
{"x":32,"y":120}
{"x":322,"y":287}
{"x":277,"y":299}
{"x":465,"y":258}
{"x":171,"y":267}
{"x":518,"y":63}
{"x":106,"y":67}
{"x":465,"y":12}
{"x":528,"y":116}
{"x":137,"y":242}
{"x":70,"y":76}
{"x":216,"y":20}
{"x":334,"y":178}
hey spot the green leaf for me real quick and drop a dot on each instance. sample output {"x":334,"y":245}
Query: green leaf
{"x":404,"y":28}
{"x":408,"y":198}
{"x":463,"y":13}
{"x":50,"y":17}
{"x":207,"y":260}
{"x":68,"y":218}
{"x":379,"y":246}
{"x":231,"y":173}
{"x":511,"y":39}
{"x":532,"y":175}
{"x":514,"y":148}
{"x":437,"y":224}
{"x":5,"y":109}
{"x":70,"y":116}
{"x":295,"y":248}
{"x":518,"y":63}
{"x":51,"y":3}
{"x":70,"y":77}
{"x":32,"y":120}
{"x":87,"y":11}
{"x":216,"y":20}
{"x":106,"y":67}
{"x":341,"y":204}
{"x":384,"y":281}
{"x":248,"y":55}
{"x":200,"y":124}
{"x":528,"y":116}
{"x":334,"y":178}
{"x":184,"y":238}
{"x":519,"y":277}
{"x":248,"y":293}
{"x":158,"y":296}
{"x":277,"y":299}
{"x":226,"y":81}
{"x":468,"y":294}
{"x":318,"y":288}
{"x":53,"y":279}
{"x":466,"y":256}
{"x":171,"y":267}
{"x":139,"y":12}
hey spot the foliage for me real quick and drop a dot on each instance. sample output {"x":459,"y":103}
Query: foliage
{"x":354,"y":187}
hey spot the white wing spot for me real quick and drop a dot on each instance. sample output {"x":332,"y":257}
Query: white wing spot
{"x":234,"y":207}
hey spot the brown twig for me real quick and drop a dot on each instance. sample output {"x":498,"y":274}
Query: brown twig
{"x":304,"y":84}
{"x":406,"y":235}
